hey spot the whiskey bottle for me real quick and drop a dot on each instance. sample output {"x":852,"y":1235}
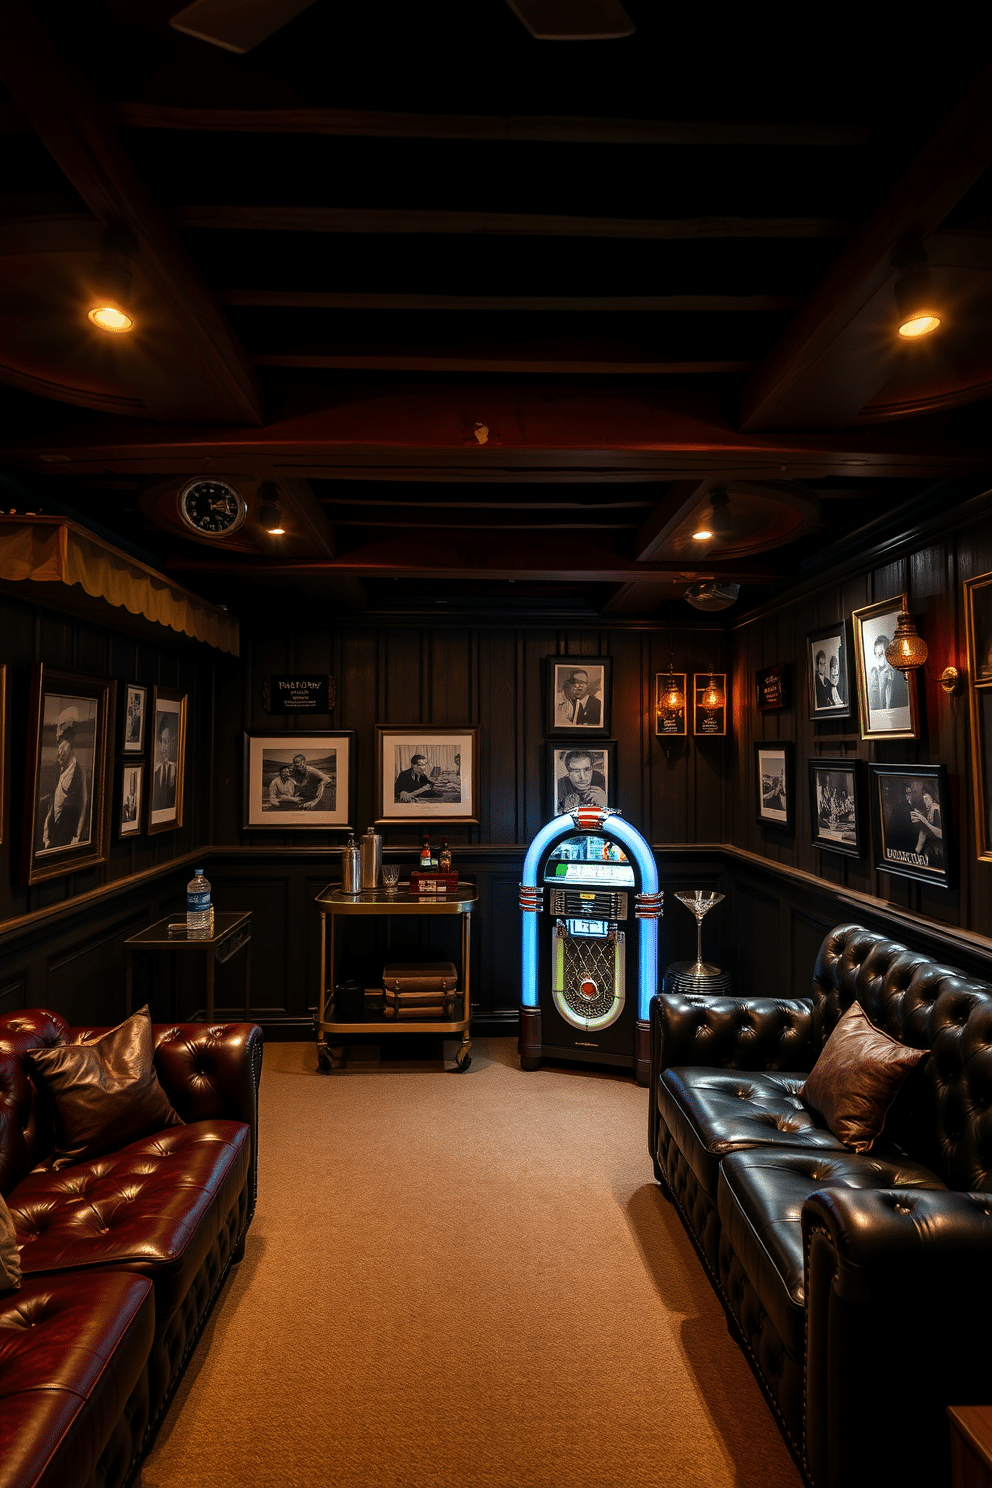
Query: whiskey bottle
{"x":425,"y":853}
{"x":444,"y":861}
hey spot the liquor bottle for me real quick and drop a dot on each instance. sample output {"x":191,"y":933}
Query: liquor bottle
{"x":425,"y":853}
{"x":444,"y":861}
{"x":199,"y":912}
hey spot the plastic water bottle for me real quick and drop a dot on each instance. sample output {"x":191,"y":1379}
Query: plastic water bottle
{"x":198,"y":910}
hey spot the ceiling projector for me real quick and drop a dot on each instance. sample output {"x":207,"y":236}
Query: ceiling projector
{"x":712,"y":596}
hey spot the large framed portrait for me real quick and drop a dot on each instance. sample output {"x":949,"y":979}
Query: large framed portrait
{"x":582,"y":775}
{"x":427,"y":774}
{"x":578,"y":694}
{"x":835,"y":806}
{"x":774,"y":783}
{"x":69,"y":774}
{"x":911,"y":823}
{"x":168,"y":774}
{"x":298,"y":780}
{"x":978,"y":622}
{"x":135,"y":708}
{"x":132,"y":799}
{"x":829,"y":672}
{"x":886,"y":696}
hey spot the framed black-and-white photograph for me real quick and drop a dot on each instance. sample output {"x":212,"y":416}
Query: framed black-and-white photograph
{"x":978,"y":620}
{"x":168,"y":773}
{"x":709,"y":703}
{"x":298,"y":780}
{"x":578,"y":694}
{"x":981,"y":769}
{"x":774,"y":783}
{"x":132,"y":799}
{"x":581,"y":775}
{"x":69,"y":774}
{"x":3,"y":742}
{"x":427,"y":774}
{"x":886,"y":696}
{"x":828,"y":671}
{"x":670,"y":710}
{"x":135,"y":708}
{"x":836,"y":812}
{"x":773,"y":689}
{"x":911,"y":823}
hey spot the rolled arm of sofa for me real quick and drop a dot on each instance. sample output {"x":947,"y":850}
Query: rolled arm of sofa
{"x":210,"y":1071}
{"x":896,"y":1282}
{"x":740,"y":1033}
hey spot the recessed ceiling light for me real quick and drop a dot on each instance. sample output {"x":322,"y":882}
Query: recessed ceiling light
{"x":110,"y":318}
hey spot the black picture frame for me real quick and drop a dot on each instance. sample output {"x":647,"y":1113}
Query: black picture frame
{"x":829,"y":674}
{"x":836,"y":806}
{"x":167,"y":776}
{"x":774,"y":779}
{"x":316,"y":768}
{"x":67,"y":800}
{"x":569,"y":787}
{"x":978,"y":619}
{"x":132,"y":798}
{"x":903,"y":824}
{"x":587,"y":714}
{"x":450,"y":792}
{"x":135,"y":713}
{"x":773,"y":687}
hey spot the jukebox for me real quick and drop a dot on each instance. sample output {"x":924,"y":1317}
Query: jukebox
{"x":590,"y":905}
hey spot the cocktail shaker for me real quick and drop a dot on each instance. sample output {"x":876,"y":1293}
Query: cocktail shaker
{"x":371,"y":859}
{"x":351,"y":867}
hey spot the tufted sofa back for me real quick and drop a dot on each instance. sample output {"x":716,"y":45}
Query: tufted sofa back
{"x":944,"y":1117}
{"x":26,"y":1135}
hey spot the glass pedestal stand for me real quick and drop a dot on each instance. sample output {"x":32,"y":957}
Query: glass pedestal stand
{"x":698,"y":975}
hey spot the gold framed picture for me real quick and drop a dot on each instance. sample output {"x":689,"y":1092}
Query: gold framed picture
{"x":978,"y":628}
{"x":887,"y":698}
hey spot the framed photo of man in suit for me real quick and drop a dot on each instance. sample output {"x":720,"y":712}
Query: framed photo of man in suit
{"x":829,"y":673}
{"x":887,"y":698}
{"x":168,"y":770}
{"x":578,"y":695}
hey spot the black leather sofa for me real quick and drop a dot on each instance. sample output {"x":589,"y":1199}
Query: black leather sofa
{"x":857,"y":1284}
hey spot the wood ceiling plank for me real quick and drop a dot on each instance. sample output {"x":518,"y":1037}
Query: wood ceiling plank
{"x":309,"y":528}
{"x":667,"y":517}
{"x":641,"y":596}
{"x":838,"y":350}
{"x":387,"y":220}
{"x":290,"y":299}
{"x":74,"y":127}
{"x":620,"y":362}
{"x":551,"y":128}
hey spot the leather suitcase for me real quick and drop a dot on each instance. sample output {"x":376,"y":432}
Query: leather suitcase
{"x":420,"y":976}
{"x":418,"y":999}
{"x":415,"y":1014}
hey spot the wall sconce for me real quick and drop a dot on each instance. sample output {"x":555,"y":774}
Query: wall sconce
{"x":907,"y":651}
{"x":712,"y":697}
{"x":111,"y":289}
{"x":918,"y":313}
{"x":672,"y":699}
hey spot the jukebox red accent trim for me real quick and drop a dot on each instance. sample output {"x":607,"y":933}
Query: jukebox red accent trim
{"x":589,"y":818}
{"x":649,"y":906}
{"x":532,"y":898}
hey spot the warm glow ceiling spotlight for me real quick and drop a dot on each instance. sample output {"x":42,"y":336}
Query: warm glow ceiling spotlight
{"x":110,"y":293}
{"x":704,"y":534}
{"x":919,"y":314}
{"x":907,"y":649}
{"x":270,"y":516}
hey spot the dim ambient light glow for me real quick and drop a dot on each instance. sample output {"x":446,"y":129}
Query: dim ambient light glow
{"x":920,"y":324}
{"x":110,"y":318}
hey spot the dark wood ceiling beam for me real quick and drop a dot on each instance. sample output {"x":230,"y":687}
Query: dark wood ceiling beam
{"x":309,"y":530}
{"x":641,"y":596}
{"x":840,"y":348}
{"x":289,"y":299}
{"x":667,"y":517}
{"x":387,"y":220}
{"x":467,"y":520}
{"x":594,"y":361}
{"x":373,"y":123}
{"x":73,"y":126}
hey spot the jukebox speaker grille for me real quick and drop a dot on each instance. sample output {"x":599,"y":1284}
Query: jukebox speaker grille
{"x":589,"y":978}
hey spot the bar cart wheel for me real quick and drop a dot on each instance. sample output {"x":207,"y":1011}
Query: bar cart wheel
{"x":463,"y":1058}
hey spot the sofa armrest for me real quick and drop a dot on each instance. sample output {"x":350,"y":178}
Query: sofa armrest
{"x":896,"y":1287}
{"x":740,"y":1033}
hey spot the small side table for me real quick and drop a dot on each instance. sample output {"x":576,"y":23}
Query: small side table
{"x":231,"y":933}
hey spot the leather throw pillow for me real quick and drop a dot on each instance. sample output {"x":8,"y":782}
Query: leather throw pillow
{"x":10,"y":1256}
{"x":105,"y":1093}
{"x":857,"y":1077}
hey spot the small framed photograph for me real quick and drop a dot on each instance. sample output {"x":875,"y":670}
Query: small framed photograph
{"x":168,"y":778}
{"x":835,"y":806}
{"x":911,"y":822}
{"x":578,"y":694}
{"x":69,"y":776}
{"x":774,"y":782}
{"x":132,"y":800}
{"x":978,"y":621}
{"x":427,"y":774}
{"x":298,"y":780}
{"x":828,"y":669}
{"x":773,"y":685}
{"x":886,"y":696}
{"x":135,"y":707}
{"x":581,"y":775}
{"x":670,"y":713}
{"x":709,"y":703}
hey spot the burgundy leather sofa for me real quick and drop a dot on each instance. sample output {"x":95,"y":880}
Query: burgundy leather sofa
{"x":859,"y":1285}
{"x":122,"y":1255}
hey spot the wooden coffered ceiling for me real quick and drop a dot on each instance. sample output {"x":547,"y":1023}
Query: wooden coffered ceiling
{"x":485,"y":309}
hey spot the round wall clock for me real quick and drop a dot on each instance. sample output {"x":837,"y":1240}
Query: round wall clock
{"x":211,"y":508}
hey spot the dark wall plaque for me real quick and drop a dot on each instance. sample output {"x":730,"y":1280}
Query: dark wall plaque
{"x":773,"y":688}
{"x":306,"y":693}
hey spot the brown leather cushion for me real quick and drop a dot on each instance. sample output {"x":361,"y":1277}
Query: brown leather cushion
{"x":105,"y":1092}
{"x":10,"y":1256}
{"x":857,"y":1077}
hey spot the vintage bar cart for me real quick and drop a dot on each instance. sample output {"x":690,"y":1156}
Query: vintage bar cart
{"x":333,"y":903}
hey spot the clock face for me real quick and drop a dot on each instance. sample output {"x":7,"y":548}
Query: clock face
{"x":212,"y":508}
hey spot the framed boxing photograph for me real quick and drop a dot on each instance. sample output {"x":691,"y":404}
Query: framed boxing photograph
{"x":298,"y":780}
{"x":578,"y":695}
{"x":581,"y":775}
{"x":427,"y":774}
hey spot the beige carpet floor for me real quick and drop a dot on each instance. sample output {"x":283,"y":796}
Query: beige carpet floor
{"x":463,"y":1279}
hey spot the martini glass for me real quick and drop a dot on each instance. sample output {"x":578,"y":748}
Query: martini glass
{"x":699,"y":904}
